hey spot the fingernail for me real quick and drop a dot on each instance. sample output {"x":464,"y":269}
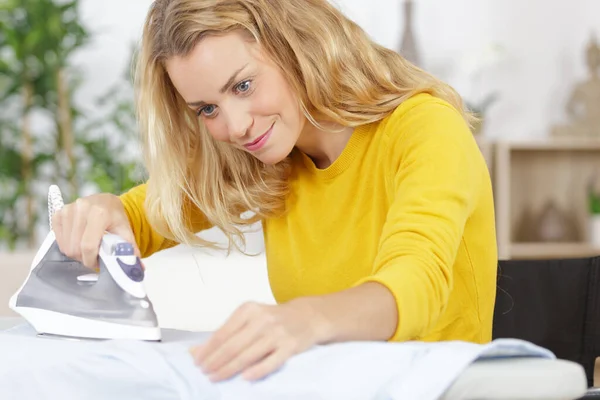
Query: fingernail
{"x":194,"y":357}
{"x":194,"y":350}
{"x":198,"y":351}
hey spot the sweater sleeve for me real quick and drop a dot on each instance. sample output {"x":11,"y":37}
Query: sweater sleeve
{"x":148,"y":240}
{"x":434,"y":182}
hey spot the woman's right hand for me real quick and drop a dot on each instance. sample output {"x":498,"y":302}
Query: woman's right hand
{"x":79,"y":226}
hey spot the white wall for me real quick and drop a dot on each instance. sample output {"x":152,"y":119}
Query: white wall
{"x":543,"y":41}
{"x":114,"y":26}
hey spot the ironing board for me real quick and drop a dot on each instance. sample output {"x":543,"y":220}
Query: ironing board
{"x":9,"y":322}
{"x":502,"y":379}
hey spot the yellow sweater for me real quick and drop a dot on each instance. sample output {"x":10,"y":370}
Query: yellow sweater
{"x":408,"y":204}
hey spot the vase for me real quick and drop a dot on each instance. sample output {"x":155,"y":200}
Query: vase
{"x":594,"y":230}
{"x":408,"y":44}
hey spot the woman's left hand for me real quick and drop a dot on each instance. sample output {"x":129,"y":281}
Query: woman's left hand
{"x":258,"y":339}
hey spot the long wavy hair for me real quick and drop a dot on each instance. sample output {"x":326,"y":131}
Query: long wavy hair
{"x":337,"y":72}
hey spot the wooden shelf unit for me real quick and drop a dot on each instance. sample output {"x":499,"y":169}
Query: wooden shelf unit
{"x":528,"y":174}
{"x":542,"y":250}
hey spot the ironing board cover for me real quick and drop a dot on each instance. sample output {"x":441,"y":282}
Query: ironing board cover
{"x":36,"y":368}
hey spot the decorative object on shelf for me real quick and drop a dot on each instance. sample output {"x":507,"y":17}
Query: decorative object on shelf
{"x":553,"y":224}
{"x":526,"y":228}
{"x":594,"y":215}
{"x":408,"y":44}
{"x":583,"y":107}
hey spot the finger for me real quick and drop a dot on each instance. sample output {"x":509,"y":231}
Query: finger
{"x":57,"y":229}
{"x":206,"y":350}
{"x":126,"y":234}
{"x":236,"y":322}
{"x":79,"y":218}
{"x":268,"y":365}
{"x":248,"y":356}
{"x":230,"y":351}
{"x":92,"y":236}
{"x":65,"y":216}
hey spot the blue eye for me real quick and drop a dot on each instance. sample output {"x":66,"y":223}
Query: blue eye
{"x":207,"y":110}
{"x":243,"y":87}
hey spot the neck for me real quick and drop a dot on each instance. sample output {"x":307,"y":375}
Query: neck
{"x":324,"y":146}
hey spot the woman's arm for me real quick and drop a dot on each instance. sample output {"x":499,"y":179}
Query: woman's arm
{"x":148,"y":239}
{"x":437,"y":173}
{"x":364,"y":312}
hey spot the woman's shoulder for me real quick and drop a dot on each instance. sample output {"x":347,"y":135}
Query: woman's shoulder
{"x":422,"y":107}
{"x":422,"y":116}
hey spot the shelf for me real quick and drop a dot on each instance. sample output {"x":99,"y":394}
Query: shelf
{"x":528,"y":175}
{"x":552,"y":250}
{"x":554,"y":144}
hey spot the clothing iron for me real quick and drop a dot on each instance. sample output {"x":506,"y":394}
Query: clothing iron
{"x":62,"y":297}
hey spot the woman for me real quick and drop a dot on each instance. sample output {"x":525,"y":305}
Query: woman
{"x":376,"y":203}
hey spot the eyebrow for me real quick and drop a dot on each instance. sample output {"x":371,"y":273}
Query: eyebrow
{"x":223,"y":88}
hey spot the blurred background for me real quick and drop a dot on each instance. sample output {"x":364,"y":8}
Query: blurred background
{"x":530,"y":69}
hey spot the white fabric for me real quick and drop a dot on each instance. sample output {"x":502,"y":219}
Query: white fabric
{"x":35,"y":368}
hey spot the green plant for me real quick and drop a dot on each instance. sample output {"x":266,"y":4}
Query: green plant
{"x":593,"y":196}
{"x":13,"y":186}
{"x":37,"y":83}
{"x":28,"y":34}
{"x":593,"y":203}
{"x":110,"y":141}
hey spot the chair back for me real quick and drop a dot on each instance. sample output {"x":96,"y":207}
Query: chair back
{"x":554,"y":304}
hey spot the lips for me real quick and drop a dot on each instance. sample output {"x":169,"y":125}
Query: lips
{"x":259,"y":142}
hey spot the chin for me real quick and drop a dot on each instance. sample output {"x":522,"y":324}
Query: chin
{"x":270,"y":159}
{"x":272,"y":156}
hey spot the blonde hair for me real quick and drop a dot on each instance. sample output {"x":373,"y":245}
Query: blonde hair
{"x":337,"y":72}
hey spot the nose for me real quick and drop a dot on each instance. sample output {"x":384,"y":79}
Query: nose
{"x":238,"y":123}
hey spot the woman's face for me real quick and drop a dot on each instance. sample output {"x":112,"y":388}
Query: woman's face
{"x":240,"y":95}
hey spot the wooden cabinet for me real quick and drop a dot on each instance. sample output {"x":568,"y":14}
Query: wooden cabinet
{"x":533,"y":179}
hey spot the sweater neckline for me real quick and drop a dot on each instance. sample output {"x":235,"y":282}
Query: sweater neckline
{"x":352,"y":148}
